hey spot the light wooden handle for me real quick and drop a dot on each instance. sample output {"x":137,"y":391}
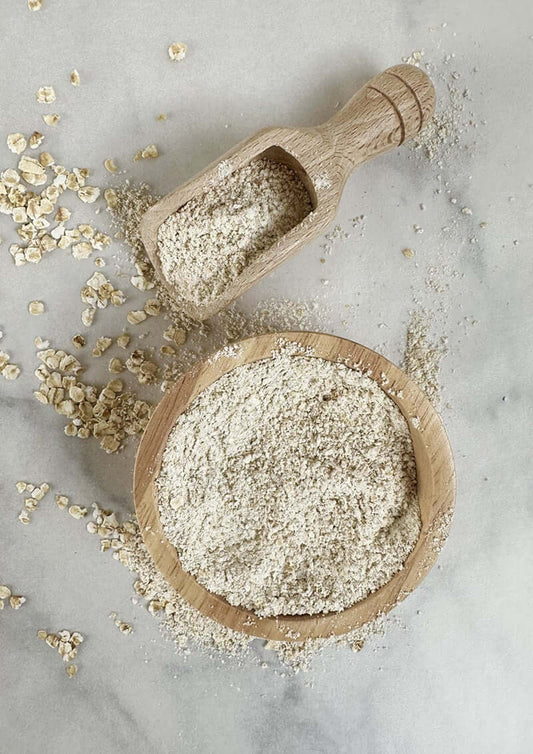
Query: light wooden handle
{"x":391,"y":108}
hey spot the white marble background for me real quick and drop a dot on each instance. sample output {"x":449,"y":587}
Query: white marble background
{"x":457,"y":677}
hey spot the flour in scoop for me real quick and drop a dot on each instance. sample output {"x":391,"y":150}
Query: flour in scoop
{"x":208,"y":242}
{"x":289,"y":486}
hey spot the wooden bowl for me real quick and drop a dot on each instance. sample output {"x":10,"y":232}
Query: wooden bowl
{"x":435,"y":476}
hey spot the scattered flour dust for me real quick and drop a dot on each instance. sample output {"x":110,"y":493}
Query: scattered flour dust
{"x":208,"y":242}
{"x":289,"y":486}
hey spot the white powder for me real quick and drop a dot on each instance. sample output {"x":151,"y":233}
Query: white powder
{"x":209,"y":241}
{"x":289,"y":486}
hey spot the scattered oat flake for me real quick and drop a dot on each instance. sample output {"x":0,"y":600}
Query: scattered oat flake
{"x":152,"y":307}
{"x":62,"y":501}
{"x":46,"y":95}
{"x":38,"y":492}
{"x":116,"y":366}
{"x":10,"y":371}
{"x":88,"y":194}
{"x":87,"y":317}
{"x":102,"y":344}
{"x":5,"y":592}
{"x":177,"y":51}
{"x":35,"y":4}
{"x":36,"y":307}
{"x":71,"y":670}
{"x":175,"y":335}
{"x":110,"y":165}
{"x":77,"y":512}
{"x":148,"y":153}
{"x":123,"y":627}
{"x":111,"y":198}
{"x":30,"y":166}
{"x":162,"y":116}
{"x":35,"y":140}
{"x":16,"y":143}
{"x":82,"y":250}
{"x":74,"y":77}
{"x":51,"y":119}
{"x":409,"y":253}
{"x":16,"y":601}
{"x":136,"y":317}
{"x":46,"y":159}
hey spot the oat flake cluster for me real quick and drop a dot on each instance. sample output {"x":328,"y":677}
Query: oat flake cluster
{"x":41,"y":223}
{"x":67,"y":644}
{"x":110,"y":414}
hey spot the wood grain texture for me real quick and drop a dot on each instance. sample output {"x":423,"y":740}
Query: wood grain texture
{"x":435,"y":479}
{"x":391,"y":108}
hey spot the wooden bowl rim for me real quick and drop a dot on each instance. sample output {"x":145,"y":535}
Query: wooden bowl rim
{"x":435,"y":471}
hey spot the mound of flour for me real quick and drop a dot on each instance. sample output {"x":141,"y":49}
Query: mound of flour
{"x":289,"y":487}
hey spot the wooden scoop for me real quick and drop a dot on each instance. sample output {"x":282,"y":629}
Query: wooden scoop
{"x":391,"y":108}
{"x":435,"y":485}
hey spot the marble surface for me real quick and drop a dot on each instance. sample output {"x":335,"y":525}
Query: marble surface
{"x":453,"y":672}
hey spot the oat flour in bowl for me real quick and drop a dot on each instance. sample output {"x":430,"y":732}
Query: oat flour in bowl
{"x":207,"y":243}
{"x":289,"y":487}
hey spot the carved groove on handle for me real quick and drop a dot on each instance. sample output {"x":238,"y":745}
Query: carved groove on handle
{"x":396,"y":110}
{"x":413,"y":92}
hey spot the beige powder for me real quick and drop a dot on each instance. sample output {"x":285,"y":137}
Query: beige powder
{"x":208,"y":242}
{"x":289,"y":486}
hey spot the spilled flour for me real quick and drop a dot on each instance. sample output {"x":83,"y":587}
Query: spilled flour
{"x":423,"y":356}
{"x":208,"y":242}
{"x":289,"y":486}
{"x":191,"y":340}
{"x":182,"y":624}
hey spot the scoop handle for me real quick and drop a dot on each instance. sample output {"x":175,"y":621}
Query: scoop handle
{"x":391,"y":108}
